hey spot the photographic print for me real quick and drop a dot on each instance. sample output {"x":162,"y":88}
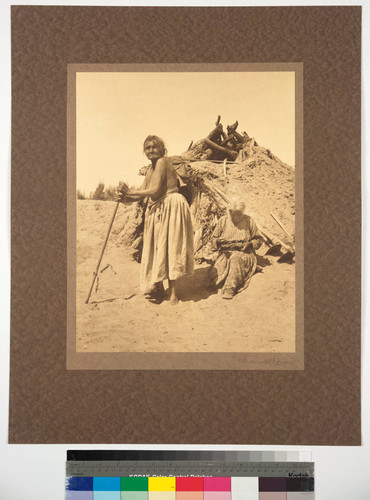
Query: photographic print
{"x":186,"y":188}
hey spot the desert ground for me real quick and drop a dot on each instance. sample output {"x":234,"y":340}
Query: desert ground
{"x":119,"y":318}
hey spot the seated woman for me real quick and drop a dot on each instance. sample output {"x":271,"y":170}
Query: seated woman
{"x":235,"y":240}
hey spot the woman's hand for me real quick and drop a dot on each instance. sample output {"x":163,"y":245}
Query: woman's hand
{"x":220,"y":242}
{"x":248,"y":247}
{"x":123,"y":193}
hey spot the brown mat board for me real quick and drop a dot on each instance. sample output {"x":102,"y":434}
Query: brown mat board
{"x":318,"y":405}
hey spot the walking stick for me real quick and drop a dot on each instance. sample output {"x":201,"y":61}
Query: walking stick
{"x":102,"y":252}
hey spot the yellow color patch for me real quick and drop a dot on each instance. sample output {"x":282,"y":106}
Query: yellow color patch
{"x":162,"y":484}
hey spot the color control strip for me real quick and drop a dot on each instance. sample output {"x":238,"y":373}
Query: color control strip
{"x":189,"y":488}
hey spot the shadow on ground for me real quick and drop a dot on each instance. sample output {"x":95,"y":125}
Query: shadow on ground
{"x":196,"y":287}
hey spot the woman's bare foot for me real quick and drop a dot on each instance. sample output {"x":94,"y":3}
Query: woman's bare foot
{"x":228,"y":293}
{"x":157,"y":295}
{"x":173,"y":298}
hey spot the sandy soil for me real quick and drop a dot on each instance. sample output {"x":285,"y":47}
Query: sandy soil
{"x":119,"y":319}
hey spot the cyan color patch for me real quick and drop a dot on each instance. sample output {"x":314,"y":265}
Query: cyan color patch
{"x":107,"y":495}
{"x":107,"y":484}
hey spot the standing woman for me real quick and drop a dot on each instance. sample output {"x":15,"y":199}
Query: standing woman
{"x":168,"y":249}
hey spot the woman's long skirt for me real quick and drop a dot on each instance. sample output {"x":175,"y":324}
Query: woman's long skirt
{"x":168,"y":251}
{"x":234,"y":270}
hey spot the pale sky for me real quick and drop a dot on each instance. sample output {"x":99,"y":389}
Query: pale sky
{"x":117,"y":110}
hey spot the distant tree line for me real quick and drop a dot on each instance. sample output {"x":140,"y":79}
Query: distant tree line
{"x":101,"y":193}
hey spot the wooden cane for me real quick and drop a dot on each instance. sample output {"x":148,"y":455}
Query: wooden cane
{"x":102,"y":252}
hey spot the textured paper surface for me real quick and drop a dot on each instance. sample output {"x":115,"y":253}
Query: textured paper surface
{"x":318,"y":405}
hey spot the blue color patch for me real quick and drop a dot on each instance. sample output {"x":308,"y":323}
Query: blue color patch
{"x":107,"y":484}
{"x":79,"y":483}
{"x":81,"y":495}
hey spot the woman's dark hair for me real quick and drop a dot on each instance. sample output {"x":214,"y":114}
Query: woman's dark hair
{"x":158,"y":142}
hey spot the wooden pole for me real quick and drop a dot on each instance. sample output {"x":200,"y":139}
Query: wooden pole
{"x":102,"y":252}
{"x":280,"y":224}
{"x":273,"y":239}
{"x":213,"y":188}
{"x":230,"y":153}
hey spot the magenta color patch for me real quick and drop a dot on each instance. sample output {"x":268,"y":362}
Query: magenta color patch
{"x":217,"y":495}
{"x":217,"y":484}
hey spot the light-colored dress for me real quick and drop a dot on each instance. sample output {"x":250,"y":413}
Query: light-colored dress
{"x":168,"y":251}
{"x":234,"y":269}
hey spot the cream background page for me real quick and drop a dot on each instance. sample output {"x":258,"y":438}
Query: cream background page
{"x":339,"y":470}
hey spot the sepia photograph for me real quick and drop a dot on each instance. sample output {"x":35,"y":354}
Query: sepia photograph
{"x":185,"y":215}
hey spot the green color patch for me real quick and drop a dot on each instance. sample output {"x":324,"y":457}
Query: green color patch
{"x":134,"y":484}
